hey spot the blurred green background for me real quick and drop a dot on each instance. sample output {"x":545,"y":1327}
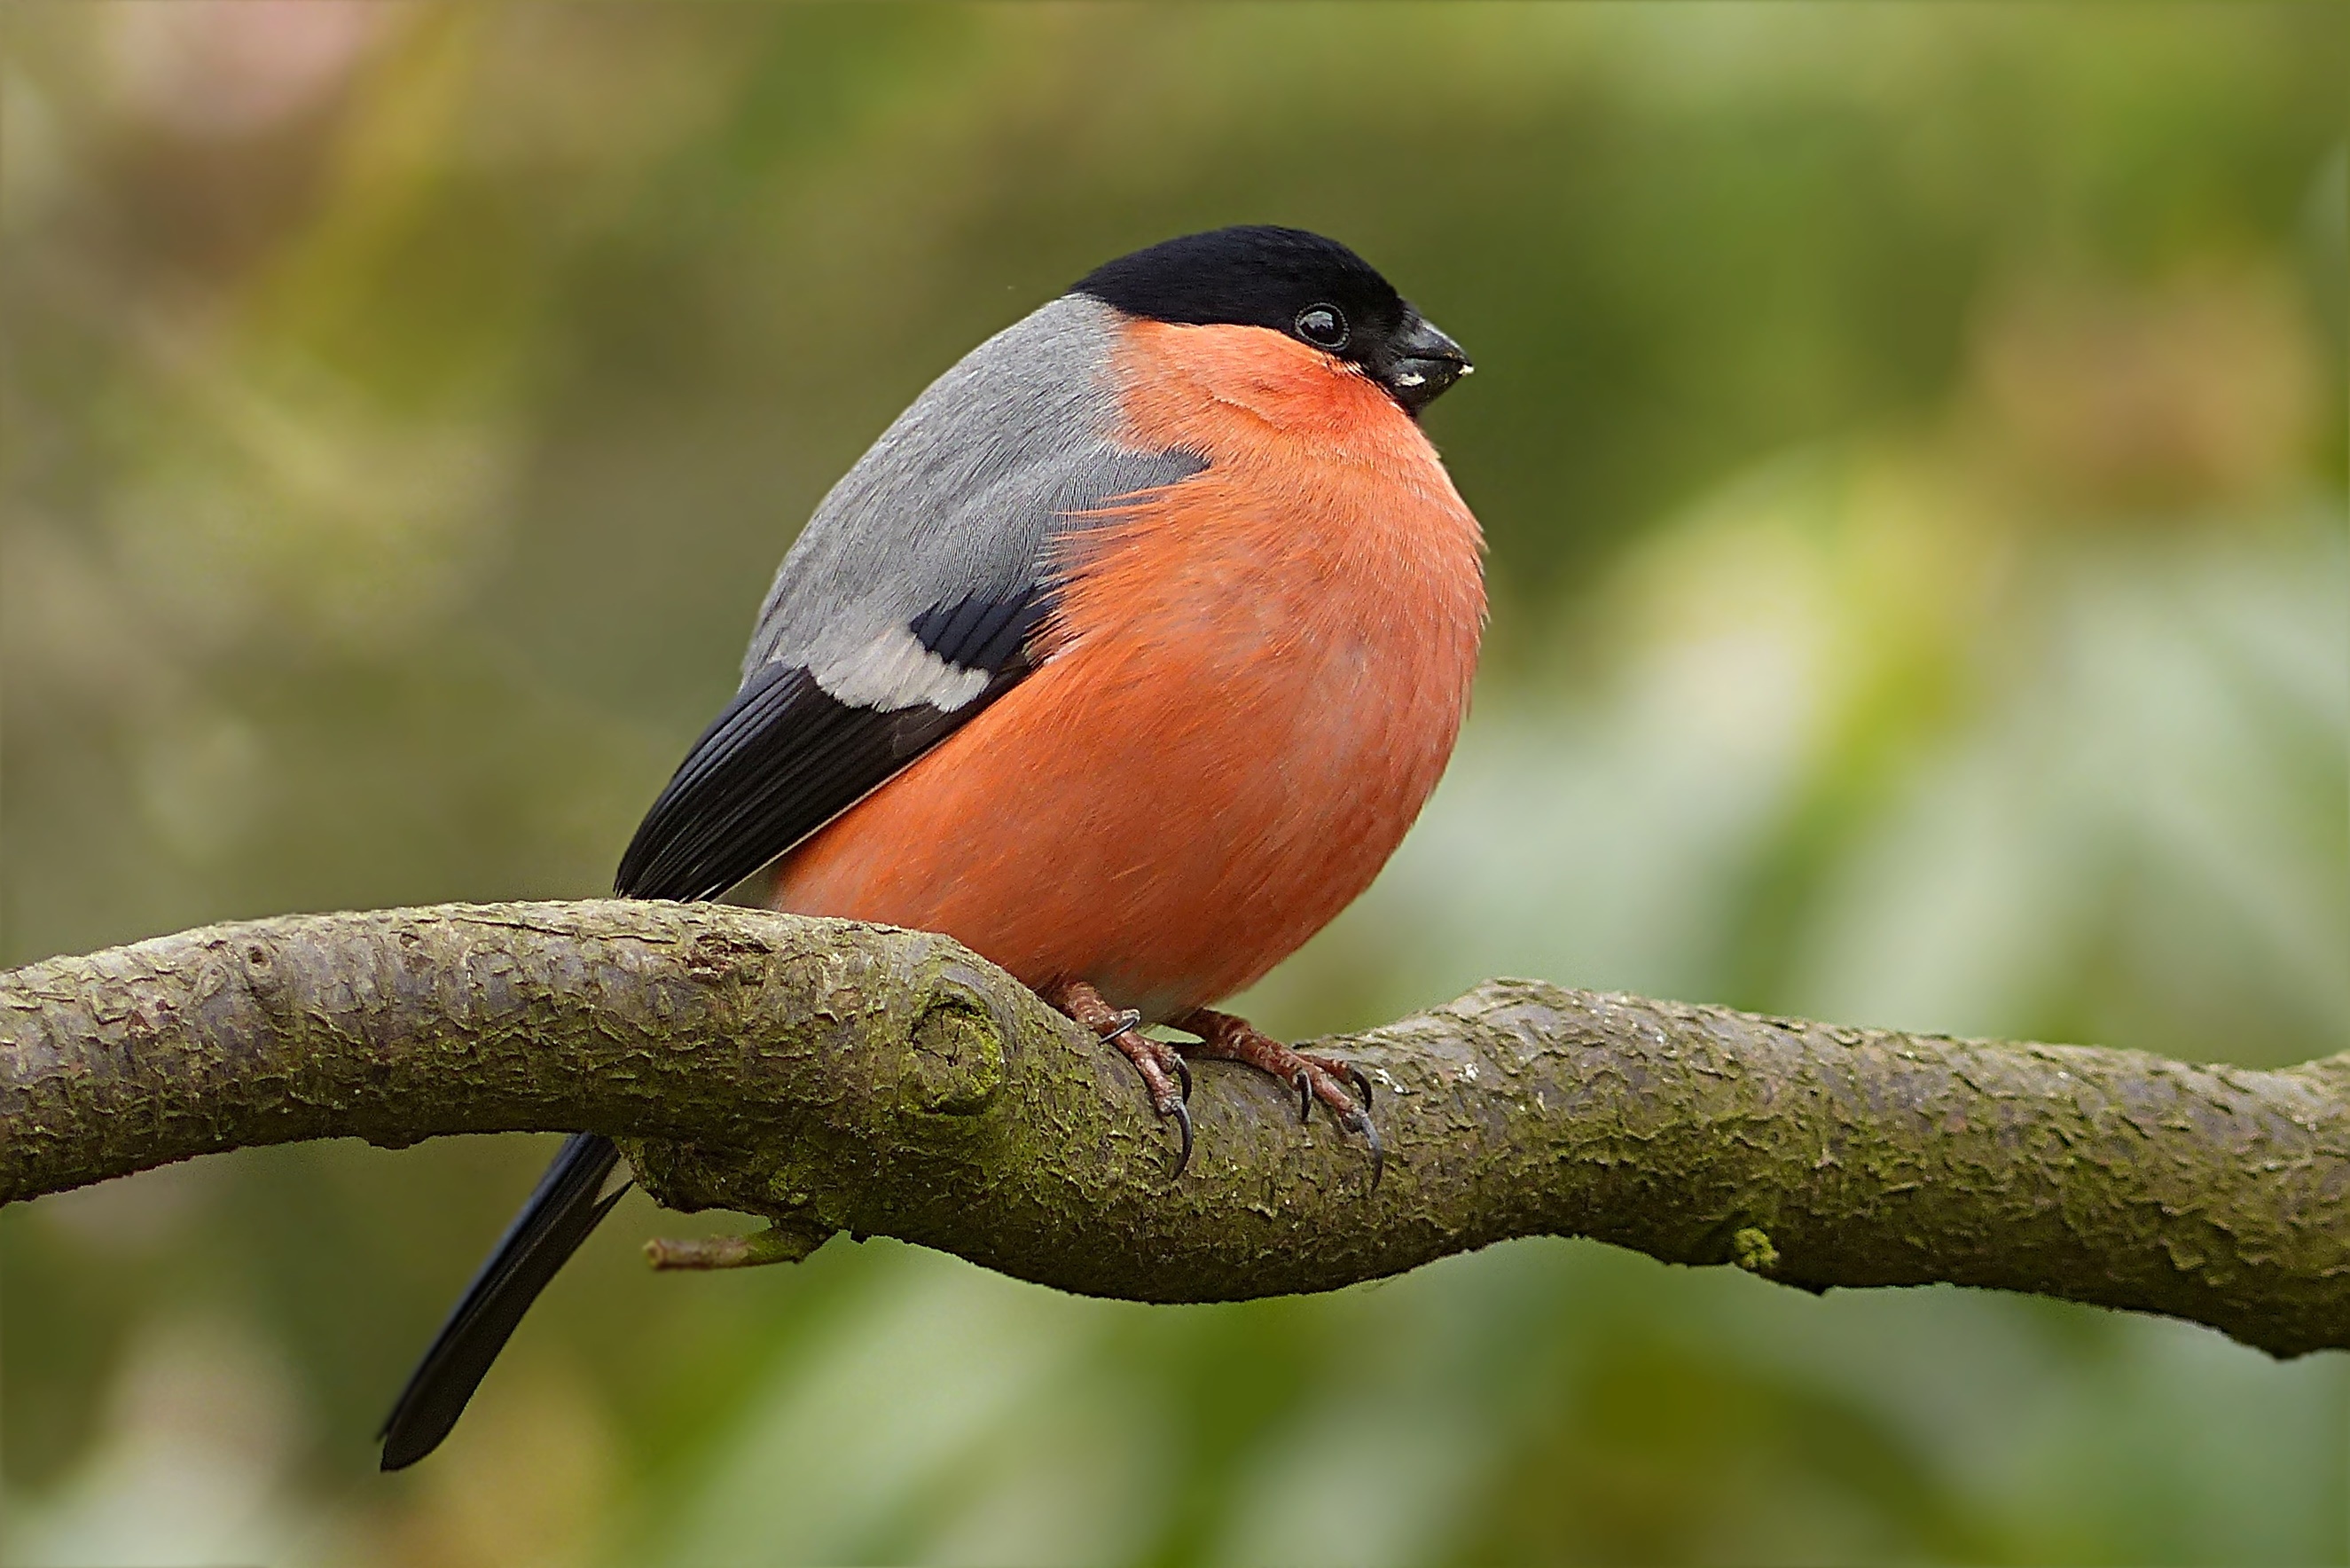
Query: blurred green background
{"x":1911,"y":440}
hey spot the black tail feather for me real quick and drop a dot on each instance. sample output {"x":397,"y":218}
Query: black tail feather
{"x":567,"y":1204}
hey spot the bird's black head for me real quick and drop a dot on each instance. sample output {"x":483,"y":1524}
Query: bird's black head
{"x":1295,"y":283}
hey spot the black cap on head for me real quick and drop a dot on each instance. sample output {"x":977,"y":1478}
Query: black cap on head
{"x":1292,"y":282}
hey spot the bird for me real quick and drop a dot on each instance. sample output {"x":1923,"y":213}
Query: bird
{"x":1125,"y":656}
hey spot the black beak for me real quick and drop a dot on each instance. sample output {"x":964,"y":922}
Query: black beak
{"x":1422,"y":364}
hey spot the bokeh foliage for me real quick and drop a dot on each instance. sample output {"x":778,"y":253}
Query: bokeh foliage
{"x":1911,"y":440}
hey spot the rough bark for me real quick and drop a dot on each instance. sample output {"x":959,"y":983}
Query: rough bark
{"x":833,"y":1076}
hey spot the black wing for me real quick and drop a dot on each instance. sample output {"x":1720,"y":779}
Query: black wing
{"x":786,"y":757}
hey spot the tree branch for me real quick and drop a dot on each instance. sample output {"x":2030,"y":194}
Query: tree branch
{"x":837,"y":1077}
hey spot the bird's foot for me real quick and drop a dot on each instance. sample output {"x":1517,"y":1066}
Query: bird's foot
{"x":1161,"y":1065}
{"x":1225,"y":1038}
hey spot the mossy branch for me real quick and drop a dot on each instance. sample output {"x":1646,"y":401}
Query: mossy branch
{"x":833,"y":1076}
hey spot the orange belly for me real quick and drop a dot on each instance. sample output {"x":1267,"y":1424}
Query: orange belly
{"x":1252,"y":683}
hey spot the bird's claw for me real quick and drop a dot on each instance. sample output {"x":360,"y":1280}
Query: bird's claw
{"x":1182,"y":1114}
{"x":1360,"y":1121}
{"x":1305,"y":1081}
{"x":1353,"y":1118}
{"x":1223,"y":1037}
{"x":1161,"y":1068}
{"x":1168,"y":1075}
{"x":1152,"y":1058}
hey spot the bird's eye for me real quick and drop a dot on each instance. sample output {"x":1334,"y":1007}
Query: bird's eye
{"x":1323,"y":325}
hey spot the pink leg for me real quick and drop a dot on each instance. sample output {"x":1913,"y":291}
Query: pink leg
{"x":1225,"y":1038}
{"x":1160,"y":1067}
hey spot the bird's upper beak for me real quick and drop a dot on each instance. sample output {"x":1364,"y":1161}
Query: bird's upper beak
{"x":1424,"y":363}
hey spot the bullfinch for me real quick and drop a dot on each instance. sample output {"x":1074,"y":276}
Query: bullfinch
{"x":1125,"y":656}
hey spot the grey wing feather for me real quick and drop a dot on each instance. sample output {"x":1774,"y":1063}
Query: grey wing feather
{"x":955,"y":509}
{"x":907,"y":604}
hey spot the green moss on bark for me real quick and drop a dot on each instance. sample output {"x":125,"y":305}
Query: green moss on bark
{"x":834,"y":1077}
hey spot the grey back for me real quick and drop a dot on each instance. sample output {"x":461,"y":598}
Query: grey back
{"x":956,"y":503}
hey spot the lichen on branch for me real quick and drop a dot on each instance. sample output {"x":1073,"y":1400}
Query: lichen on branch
{"x":830,"y":1076}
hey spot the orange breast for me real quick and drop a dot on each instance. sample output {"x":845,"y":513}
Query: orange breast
{"x":1254,"y":679}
